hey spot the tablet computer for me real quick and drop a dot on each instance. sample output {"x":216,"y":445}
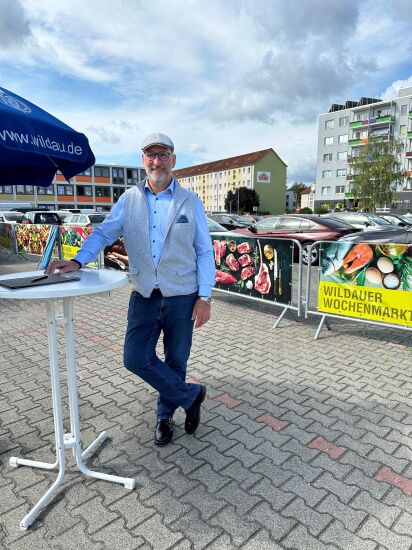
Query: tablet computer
{"x":24,"y":282}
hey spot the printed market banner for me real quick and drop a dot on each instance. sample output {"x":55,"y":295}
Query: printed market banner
{"x":6,"y":236}
{"x":32,"y":238}
{"x":72,"y":239}
{"x":257,"y":267}
{"x":367,"y":281}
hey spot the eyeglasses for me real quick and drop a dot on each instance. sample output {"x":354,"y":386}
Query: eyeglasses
{"x":162,"y":155}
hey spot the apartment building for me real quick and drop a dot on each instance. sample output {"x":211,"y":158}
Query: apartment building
{"x":343,"y":131}
{"x":98,"y":188}
{"x":264,"y":171}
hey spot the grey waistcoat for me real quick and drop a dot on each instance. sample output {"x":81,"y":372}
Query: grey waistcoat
{"x":176,"y":273}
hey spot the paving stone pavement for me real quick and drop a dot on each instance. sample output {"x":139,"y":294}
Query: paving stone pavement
{"x":303,"y":444}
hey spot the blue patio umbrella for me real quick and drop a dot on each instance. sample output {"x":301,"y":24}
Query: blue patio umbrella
{"x":34,"y":144}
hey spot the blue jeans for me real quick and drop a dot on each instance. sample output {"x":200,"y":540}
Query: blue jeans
{"x":147,"y":317}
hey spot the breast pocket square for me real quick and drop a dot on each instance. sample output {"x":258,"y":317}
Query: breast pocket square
{"x":182,"y":219}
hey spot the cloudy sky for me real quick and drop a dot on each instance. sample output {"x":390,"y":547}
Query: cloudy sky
{"x":221,"y":77}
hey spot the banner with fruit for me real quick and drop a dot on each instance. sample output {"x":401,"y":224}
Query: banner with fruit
{"x":32,"y":238}
{"x":257,"y":267}
{"x":367,"y":281}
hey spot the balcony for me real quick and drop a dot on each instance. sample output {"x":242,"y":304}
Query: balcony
{"x":357,"y":123}
{"x":410,"y":114}
{"x":382,"y":119}
{"x":361,"y":141}
{"x":408,"y":154}
{"x":409,"y":134}
{"x":409,"y":173}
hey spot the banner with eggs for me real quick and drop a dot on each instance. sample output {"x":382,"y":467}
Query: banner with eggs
{"x":367,"y":281}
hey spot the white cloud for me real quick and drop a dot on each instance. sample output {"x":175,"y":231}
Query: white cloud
{"x":222,"y":78}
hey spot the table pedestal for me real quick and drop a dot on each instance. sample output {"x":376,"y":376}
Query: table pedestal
{"x":69,"y":440}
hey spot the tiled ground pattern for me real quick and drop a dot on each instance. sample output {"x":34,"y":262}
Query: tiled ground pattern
{"x":303,"y":444}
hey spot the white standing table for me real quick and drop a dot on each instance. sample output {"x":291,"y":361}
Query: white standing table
{"x":91,"y":282}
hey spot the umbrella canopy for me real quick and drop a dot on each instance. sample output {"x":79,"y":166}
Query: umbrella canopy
{"x":35,"y":144}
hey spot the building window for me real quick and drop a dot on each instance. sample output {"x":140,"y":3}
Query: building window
{"x":24,"y":189}
{"x":325,"y":190}
{"x":343,"y":155}
{"x":84,"y":190}
{"x":117,"y":192}
{"x":132,"y":176}
{"x":327,"y":157}
{"x":65,"y":189}
{"x":101,"y":172}
{"x":87,"y":172}
{"x":404,"y":109}
{"x":344,"y":121}
{"x":45,"y":190}
{"x":343,"y":138}
{"x":341,"y":172}
{"x":329,"y":124}
{"x":102,"y":191}
{"x":6,"y":189}
{"x":118,"y":175}
{"x":402,"y":129}
{"x":326,"y":174}
{"x":328,"y":140}
{"x":339,"y":189}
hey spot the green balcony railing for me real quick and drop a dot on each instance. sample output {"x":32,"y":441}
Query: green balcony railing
{"x":409,"y":134}
{"x":410,"y":114}
{"x":354,"y":142}
{"x":357,"y":123}
{"x":386,"y":118}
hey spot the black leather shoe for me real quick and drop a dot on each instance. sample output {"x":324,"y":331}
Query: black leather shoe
{"x":193,"y":412}
{"x":163,"y":432}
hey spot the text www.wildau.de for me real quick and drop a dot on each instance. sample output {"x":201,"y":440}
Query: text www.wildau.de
{"x":41,"y":142}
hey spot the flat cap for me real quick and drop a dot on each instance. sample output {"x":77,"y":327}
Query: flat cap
{"x":158,"y":139}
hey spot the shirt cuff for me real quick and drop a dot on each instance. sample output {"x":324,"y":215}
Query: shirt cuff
{"x":205,"y":290}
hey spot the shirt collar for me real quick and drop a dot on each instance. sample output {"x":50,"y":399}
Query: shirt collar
{"x":169,"y":189}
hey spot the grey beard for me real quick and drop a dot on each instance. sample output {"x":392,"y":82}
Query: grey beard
{"x":160,"y":180}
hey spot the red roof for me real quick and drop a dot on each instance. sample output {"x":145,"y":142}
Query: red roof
{"x":224,"y":164}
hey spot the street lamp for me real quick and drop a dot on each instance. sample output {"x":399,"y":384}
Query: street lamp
{"x":238,"y":200}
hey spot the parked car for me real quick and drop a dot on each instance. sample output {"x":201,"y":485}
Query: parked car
{"x":11,"y":217}
{"x":361,"y":220}
{"x":215,"y":227}
{"x":49,"y":217}
{"x":383,"y":236}
{"x":305,"y":228}
{"x":393,"y":219}
{"x":231,"y":221}
{"x":85,"y":220}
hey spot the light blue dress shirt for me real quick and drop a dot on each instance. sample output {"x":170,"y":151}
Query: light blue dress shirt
{"x":158,"y":205}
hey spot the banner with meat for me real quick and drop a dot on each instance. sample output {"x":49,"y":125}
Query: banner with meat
{"x":258,"y":267}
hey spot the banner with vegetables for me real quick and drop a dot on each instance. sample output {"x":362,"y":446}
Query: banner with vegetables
{"x":72,"y":239}
{"x":32,"y":238}
{"x":6,"y":236}
{"x":254,"y":267}
{"x":367,"y":281}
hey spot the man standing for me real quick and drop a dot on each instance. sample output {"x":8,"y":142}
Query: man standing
{"x":172,"y":272}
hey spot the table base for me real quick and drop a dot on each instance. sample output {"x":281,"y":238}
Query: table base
{"x":64,"y":440}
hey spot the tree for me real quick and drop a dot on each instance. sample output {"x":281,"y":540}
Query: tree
{"x":248,"y":198}
{"x":377,"y":170}
{"x":297,"y":189}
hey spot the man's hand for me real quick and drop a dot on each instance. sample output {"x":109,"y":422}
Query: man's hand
{"x":64,"y":266}
{"x":201,"y":313}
